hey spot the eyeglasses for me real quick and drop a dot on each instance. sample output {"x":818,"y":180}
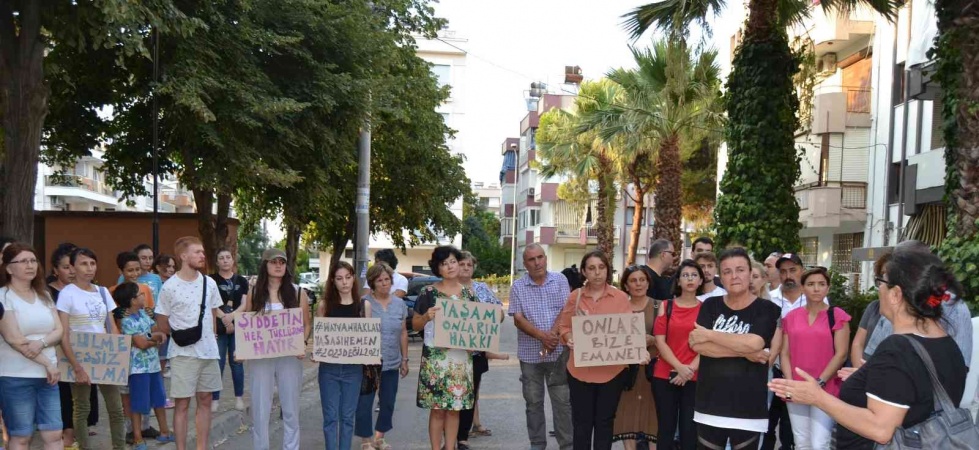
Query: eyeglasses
{"x":31,"y":261}
{"x":879,"y":281}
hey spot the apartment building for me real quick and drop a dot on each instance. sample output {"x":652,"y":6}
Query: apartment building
{"x":82,"y":187}
{"x":563,"y":228}
{"x":835,"y":140}
{"x":488,"y":196}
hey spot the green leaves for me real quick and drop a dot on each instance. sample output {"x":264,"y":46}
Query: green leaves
{"x":757,"y":207}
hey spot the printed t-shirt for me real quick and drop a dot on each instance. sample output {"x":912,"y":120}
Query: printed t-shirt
{"x":86,"y":310}
{"x":232,"y":289}
{"x":141,"y":360}
{"x":732,"y":392}
{"x":180,"y":301}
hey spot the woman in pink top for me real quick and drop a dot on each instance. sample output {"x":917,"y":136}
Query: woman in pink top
{"x":595,"y":391}
{"x":809,"y":344}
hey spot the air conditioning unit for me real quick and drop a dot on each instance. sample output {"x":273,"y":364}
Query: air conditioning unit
{"x":827,"y":63}
{"x":533,"y":191}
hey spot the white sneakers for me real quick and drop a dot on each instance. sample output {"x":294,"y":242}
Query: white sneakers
{"x":239,"y":404}
{"x":215,"y":405}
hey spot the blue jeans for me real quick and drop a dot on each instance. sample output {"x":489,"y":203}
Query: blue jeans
{"x":226,"y":351}
{"x":29,"y":403}
{"x":388,"y":392}
{"x":339,"y":395}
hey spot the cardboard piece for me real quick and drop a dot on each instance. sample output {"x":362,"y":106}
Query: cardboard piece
{"x":105,"y":357}
{"x":468,"y":325}
{"x":608,"y":339}
{"x":347,"y":340}
{"x":269,"y":334}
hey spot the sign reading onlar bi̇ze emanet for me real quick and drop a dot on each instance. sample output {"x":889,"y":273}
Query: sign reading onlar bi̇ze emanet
{"x":608,"y":339}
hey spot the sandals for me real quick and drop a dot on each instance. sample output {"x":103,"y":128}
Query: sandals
{"x":479,"y":430}
{"x":381,"y":444}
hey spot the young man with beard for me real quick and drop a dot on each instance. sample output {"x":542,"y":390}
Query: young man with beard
{"x":194,"y":366}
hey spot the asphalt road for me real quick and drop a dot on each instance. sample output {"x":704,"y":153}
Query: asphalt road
{"x":501,"y":409}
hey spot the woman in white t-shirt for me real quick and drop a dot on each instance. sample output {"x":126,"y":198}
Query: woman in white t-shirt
{"x":29,"y":373}
{"x":85,"y":307}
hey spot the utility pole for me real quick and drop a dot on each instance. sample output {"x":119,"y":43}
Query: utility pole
{"x":363,"y":204}
{"x":156,"y":143}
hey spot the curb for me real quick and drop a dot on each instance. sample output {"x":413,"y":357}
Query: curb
{"x":229,"y":424}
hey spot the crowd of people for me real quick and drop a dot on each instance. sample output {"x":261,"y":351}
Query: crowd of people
{"x":739,"y":353}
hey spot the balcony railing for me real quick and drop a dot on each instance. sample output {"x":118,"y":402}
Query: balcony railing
{"x":76,"y":181}
{"x":853,"y":194}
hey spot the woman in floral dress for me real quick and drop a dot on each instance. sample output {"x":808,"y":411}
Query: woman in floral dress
{"x":445,"y":384}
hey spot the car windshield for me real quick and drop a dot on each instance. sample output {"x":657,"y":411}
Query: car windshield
{"x":415,"y":285}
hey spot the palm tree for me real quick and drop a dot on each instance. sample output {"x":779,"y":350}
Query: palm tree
{"x":671,"y":96}
{"x":570,"y":144}
{"x":761,"y":121}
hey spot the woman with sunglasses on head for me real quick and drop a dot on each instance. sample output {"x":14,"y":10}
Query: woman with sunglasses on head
{"x":29,"y":373}
{"x":275,"y":291}
{"x":894,"y":389}
{"x":675,"y":373}
{"x":635,"y":418}
{"x":595,"y":391}
{"x":815,"y":339}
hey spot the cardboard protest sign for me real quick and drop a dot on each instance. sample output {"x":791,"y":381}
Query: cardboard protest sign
{"x":608,"y":339}
{"x":468,"y":325}
{"x":105,"y":357}
{"x":269,"y":334}
{"x":346,"y":340}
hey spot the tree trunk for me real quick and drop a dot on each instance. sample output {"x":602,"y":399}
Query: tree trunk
{"x":339,"y":242}
{"x":606,"y":207}
{"x":24,"y":96}
{"x":213,"y":228}
{"x":640,"y":209}
{"x":293,"y":233}
{"x":965,"y":195}
{"x":668,"y":209}
{"x":762,"y":19}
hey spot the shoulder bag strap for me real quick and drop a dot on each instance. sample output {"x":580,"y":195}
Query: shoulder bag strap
{"x":942,"y":401}
{"x":831,"y":315}
{"x":108,"y":312}
{"x":200,"y":317}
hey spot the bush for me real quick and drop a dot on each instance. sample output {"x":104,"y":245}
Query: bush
{"x":849,"y":298}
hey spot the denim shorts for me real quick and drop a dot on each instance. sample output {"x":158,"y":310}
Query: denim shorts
{"x":30,"y":403}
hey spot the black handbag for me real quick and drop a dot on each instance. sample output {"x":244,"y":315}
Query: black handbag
{"x":372,"y":372}
{"x":190,"y":336}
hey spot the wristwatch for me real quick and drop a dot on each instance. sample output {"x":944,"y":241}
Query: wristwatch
{"x":822,"y":383}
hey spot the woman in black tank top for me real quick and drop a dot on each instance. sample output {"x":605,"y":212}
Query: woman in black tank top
{"x":340,"y":383}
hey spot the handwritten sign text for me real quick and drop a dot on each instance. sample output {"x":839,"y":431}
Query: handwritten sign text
{"x":468,"y":325}
{"x":346,"y":340}
{"x":105,"y":357}
{"x":608,"y":339}
{"x":269,"y":334}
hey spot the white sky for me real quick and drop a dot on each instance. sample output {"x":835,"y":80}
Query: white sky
{"x":513,"y":43}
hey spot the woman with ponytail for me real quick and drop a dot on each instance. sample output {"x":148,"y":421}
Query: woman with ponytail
{"x":893,"y":389}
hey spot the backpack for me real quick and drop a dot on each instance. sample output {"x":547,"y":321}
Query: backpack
{"x":948,"y":427}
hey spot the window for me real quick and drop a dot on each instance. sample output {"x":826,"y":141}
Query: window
{"x":894,"y":183}
{"x":937,"y":125}
{"x":843,"y":245}
{"x":897,"y":84}
{"x":443,"y":73}
{"x":534,"y":217}
{"x":810,"y":251}
{"x":824,"y":160}
{"x":348,"y":254}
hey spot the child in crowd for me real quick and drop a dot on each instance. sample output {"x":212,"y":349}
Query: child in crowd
{"x":145,"y":380}
{"x":130,"y":271}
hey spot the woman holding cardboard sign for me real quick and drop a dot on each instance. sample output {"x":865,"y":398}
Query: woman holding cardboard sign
{"x":274,"y":291}
{"x":445,"y":379}
{"x":29,"y":372}
{"x":340,"y":384}
{"x":595,"y":391}
{"x":635,"y":419}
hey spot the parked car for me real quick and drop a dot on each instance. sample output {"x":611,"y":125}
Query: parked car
{"x":415,"y":286}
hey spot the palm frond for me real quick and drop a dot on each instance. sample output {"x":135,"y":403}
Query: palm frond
{"x":671,"y":16}
{"x":886,"y":8}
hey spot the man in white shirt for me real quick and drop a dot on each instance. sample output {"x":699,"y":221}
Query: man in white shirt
{"x":708,"y":264}
{"x":194,"y":367}
{"x":399,"y":283}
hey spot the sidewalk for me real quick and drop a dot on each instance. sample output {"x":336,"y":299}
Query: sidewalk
{"x":226,"y":423}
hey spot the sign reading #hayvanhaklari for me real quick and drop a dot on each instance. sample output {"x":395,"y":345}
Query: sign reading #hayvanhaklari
{"x":468,"y":325}
{"x":269,"y":334}
{"x":608,"y":339}
{"x":105,"y":357}
{"x":346,"y":340}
